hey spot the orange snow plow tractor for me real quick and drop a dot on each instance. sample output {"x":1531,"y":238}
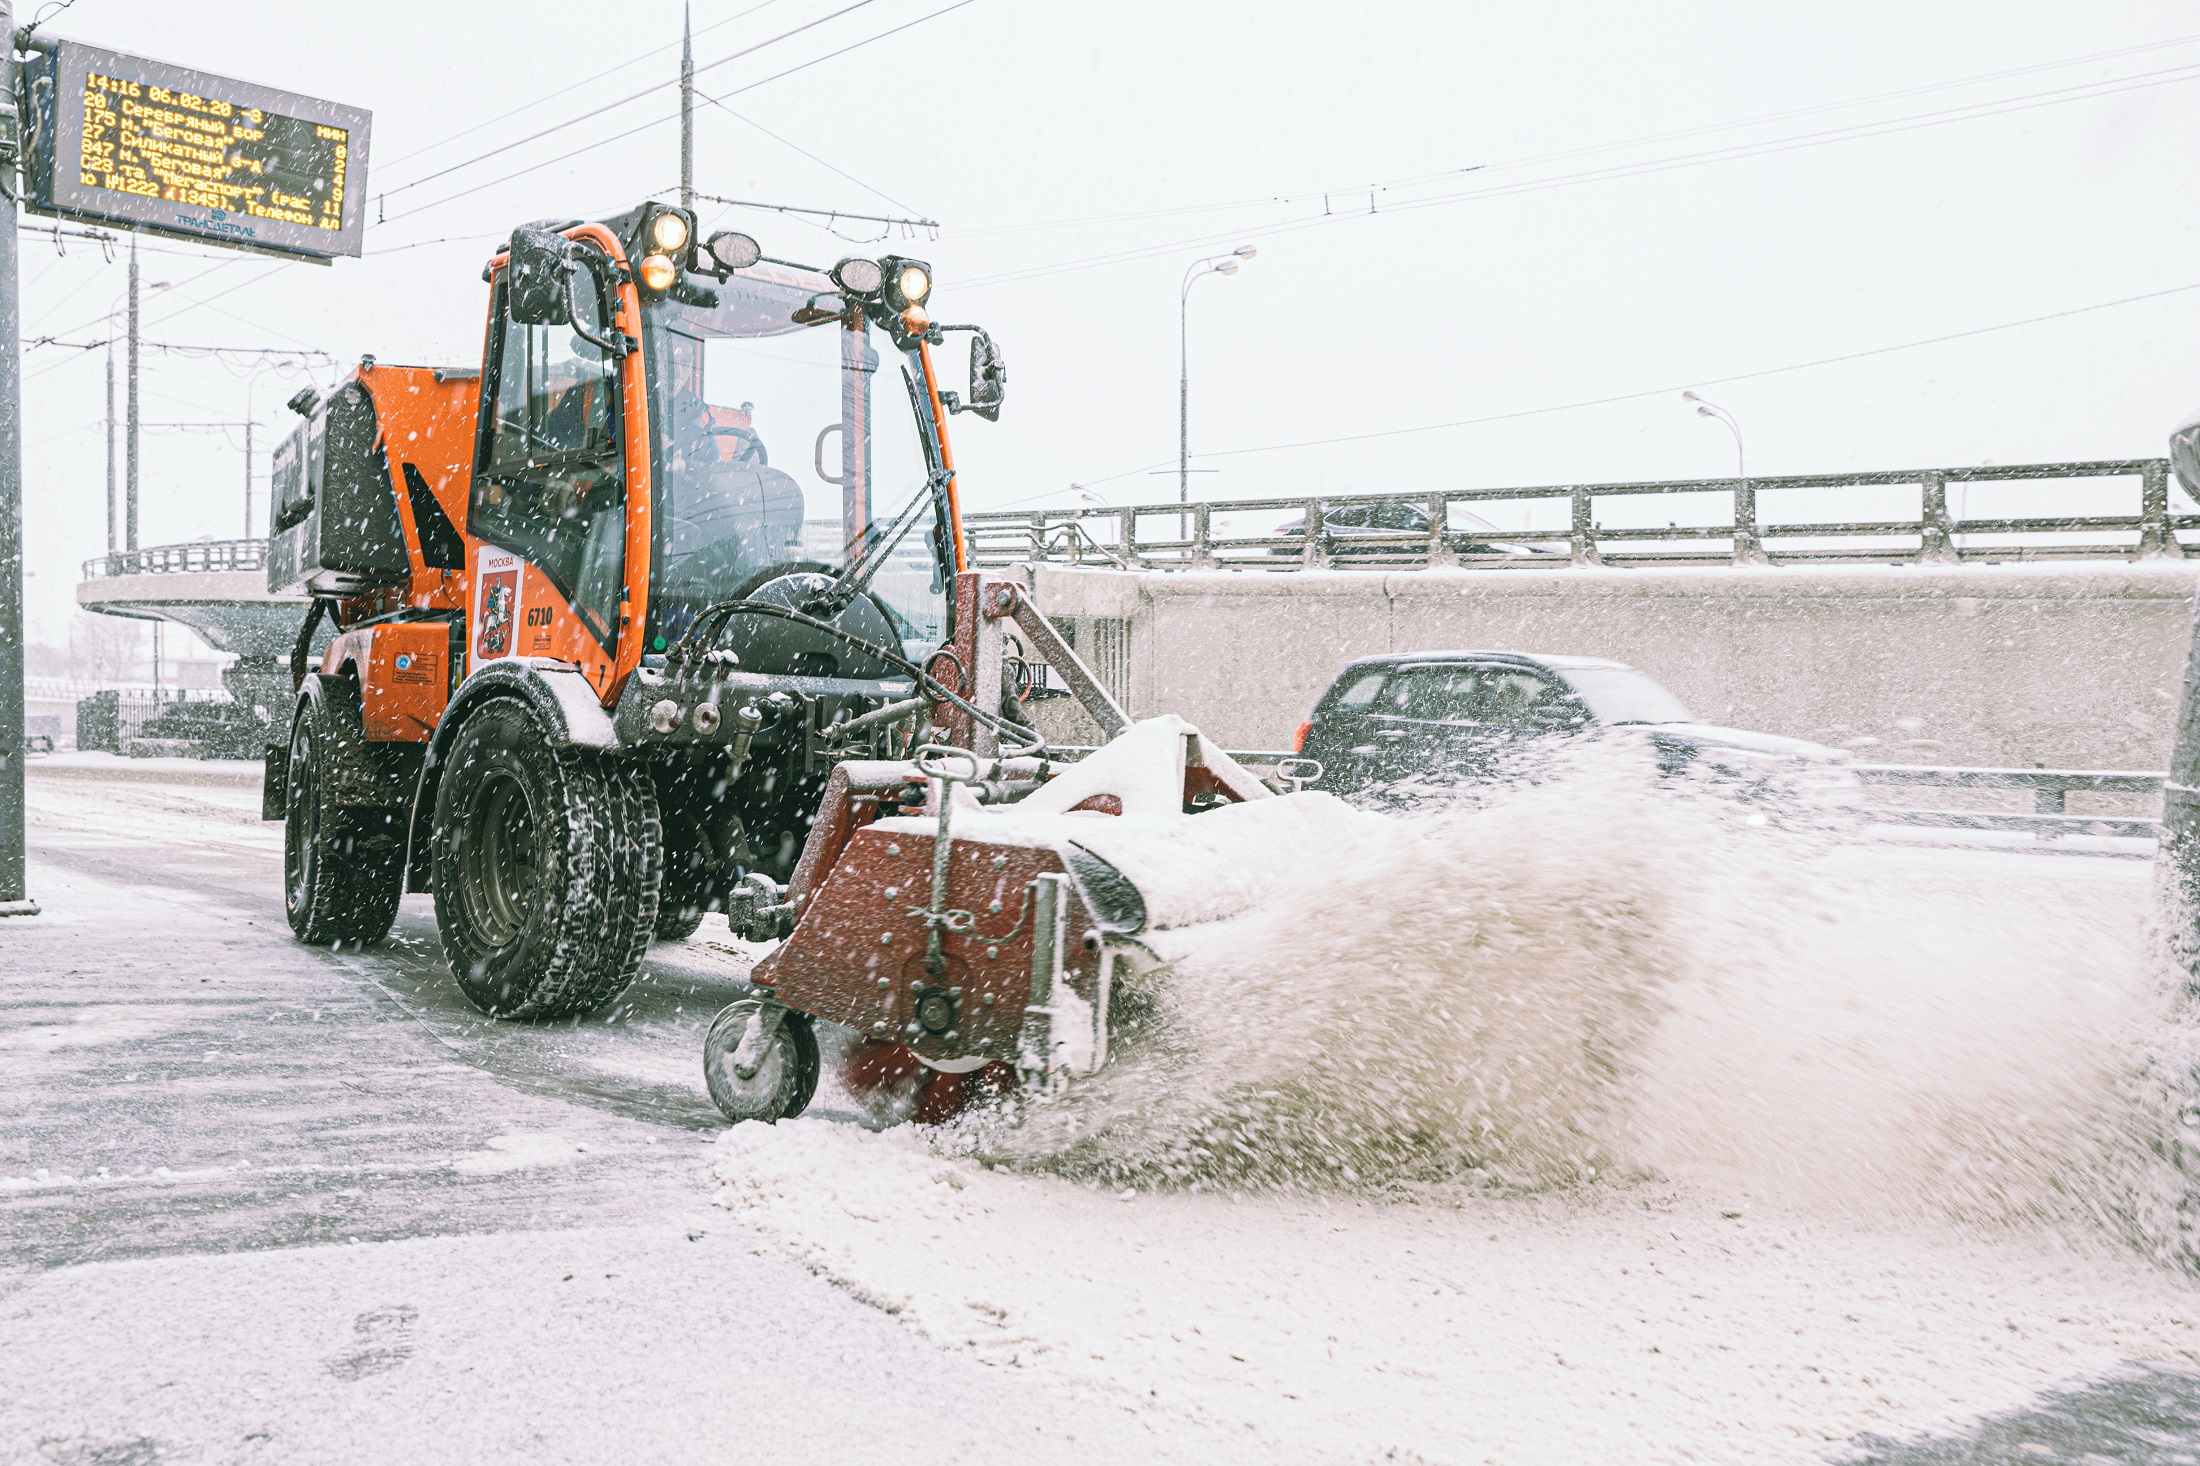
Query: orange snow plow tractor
{"x":666,"y":608}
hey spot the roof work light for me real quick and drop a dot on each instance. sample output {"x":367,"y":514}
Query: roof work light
{"x":859,"y":277}
{"x":908,"y":282}
{"x":666,"y":243}
{"x":669,"y":231}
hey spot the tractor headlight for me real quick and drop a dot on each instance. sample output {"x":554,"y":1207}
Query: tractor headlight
{"x":859,"y":277}
{"x":669,"y":232}
{"x":908,"y":282}
{"x":658,"y":272}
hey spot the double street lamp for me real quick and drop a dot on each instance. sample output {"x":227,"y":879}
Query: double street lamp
{"x":1212,"y":265}
{"x":1719,"y":414}
{"x":1747,"y":548}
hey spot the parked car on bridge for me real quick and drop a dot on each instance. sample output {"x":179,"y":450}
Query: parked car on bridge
{"x":1465,"y":715}
{"x":1350,"y":527}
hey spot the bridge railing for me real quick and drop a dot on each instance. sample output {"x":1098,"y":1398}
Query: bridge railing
{"x":1901,"y":516}
{"x":2050,"y":790}
{"x":195,"y":558}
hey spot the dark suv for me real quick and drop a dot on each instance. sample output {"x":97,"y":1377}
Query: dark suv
{"x":1463,"y":715}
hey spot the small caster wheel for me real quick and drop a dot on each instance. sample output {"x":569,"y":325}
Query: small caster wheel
{"x":784,"y":1074}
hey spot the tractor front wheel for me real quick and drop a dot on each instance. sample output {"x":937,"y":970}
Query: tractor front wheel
{"x":546,"y":868}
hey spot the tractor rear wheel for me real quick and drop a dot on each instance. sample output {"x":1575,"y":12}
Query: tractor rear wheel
{"x":546,"y":868}
{"x":343,"y":865}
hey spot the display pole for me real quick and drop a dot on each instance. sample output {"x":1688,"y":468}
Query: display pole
{"x":14,"y":894}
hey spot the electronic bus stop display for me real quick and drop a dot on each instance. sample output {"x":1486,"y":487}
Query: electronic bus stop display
{"x":122,"y":140}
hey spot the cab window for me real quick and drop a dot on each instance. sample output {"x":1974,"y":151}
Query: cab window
{"x":549,"y":480}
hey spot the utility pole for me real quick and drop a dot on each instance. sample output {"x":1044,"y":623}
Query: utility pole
{"x":14,"y":894}
{"x":130,"y":517}
{"x":113,"y":509}
{"x":248,"y":478}
{"x":687,"y":110}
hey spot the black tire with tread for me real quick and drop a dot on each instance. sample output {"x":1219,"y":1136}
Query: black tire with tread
{"x":558,"y":926}
{"x":343,"y":865}
{"x":678,"y":923}
{"x":690,"y":870}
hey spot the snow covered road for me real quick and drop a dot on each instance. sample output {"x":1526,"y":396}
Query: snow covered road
{"x":265,"y":1203}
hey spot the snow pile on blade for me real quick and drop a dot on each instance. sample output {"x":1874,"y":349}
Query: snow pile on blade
{"x":1186,"y":869}
{"x":1590,"y":976}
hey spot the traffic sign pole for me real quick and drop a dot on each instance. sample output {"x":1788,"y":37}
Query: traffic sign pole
{"x":14,"y":894}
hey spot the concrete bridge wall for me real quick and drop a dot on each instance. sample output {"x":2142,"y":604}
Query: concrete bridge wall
{"x":2071,"y":665}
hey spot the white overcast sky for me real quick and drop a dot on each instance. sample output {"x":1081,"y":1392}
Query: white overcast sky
{"x":1905,"y":172}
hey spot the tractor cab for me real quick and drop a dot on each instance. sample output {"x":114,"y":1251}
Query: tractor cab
{"x":668,"y":425}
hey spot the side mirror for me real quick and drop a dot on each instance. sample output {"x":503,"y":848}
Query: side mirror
{"x":988,"y":375}
{"x":988,"y":378}
{"x":539,"y":279}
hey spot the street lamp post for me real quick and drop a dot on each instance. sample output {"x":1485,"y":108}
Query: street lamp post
{"x":130,"y":510}
{"x":1212,"y":265}
{"x":1747,"y":549}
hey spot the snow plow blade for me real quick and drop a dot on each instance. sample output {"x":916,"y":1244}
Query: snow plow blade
{"x":943,"y":911}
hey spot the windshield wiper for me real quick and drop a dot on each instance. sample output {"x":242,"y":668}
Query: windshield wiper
{"x":856,"y":576}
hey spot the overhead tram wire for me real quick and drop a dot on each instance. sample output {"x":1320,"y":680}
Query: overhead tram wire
{"x":575,"y":121}
{"x":180,"y":347}
{"x":1361,"y":188}
{"x":187,"y":280}
{"x":1856,"y":132}
{"x":189,"y":305}
{"x":820,"y":213}
{"x":549,"y":97}
{"x":674,"y":116}
{"x":1650,"y":392}
{"x":719,"y":103}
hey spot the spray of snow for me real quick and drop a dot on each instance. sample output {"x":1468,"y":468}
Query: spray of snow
{"x":1344,"y":1189}
{"x":1591,"y":976}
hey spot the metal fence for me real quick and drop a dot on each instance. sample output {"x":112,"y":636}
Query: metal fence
{"x":198,"y":557}
{"x":2050,"y":790}
{"x":109,"y":720}
{"x":1382,"y":531}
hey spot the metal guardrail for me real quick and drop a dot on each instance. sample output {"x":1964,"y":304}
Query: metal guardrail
{"x":2050,"y":791}
{"x":196,"y":558}
{"x":1188,"y":538}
